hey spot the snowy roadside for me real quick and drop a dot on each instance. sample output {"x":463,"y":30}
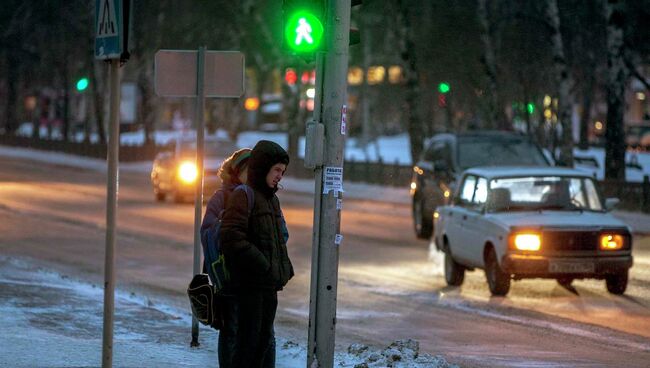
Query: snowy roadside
{"x":50,"y":320}
{"x":351,"y":190}
{"x":639,"y":222}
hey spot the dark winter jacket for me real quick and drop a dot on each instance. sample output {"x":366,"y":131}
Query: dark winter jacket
{"x":255,"y":247}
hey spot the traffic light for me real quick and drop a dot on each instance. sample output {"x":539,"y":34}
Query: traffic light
{"x":82,"y":84}
{"x":304,"y":26}
{"x":444,"y":87}
{"x":290,"y":76}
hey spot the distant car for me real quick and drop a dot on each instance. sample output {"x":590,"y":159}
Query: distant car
{"x":174,"y":172}
{"x":447,"y":155}
{"x":520,"y":223}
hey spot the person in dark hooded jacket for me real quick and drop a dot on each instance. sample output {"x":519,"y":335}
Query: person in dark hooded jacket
{"x":256,"y":253}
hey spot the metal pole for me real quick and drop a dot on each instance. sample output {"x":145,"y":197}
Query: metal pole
{"x":111,"y":212}
{"x":333,"y":66}
{"x":198,"y":198}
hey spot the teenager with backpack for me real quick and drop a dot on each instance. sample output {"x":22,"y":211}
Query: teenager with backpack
{"x":233,"y":174}
{"x":256,"y":254}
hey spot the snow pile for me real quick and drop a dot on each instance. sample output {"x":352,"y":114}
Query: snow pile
{"x":399,"y":354}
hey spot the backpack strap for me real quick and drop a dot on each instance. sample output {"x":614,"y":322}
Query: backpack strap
{"x":250,"y":195}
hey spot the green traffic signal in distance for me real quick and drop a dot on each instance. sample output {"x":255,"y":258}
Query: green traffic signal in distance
{"x":443,"y":87}
{"x":530,"y":107}
{"x":82,"y":84}
{"x":303,"y":32}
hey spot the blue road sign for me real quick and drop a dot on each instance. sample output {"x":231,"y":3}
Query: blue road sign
{"x":109,"y":29}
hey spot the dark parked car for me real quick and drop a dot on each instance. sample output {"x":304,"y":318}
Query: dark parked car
{"x":447,"y":155}
{"x":174,"y":172}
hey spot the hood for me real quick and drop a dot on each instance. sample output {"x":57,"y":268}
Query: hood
{"x":265,"y":154}
{"x":558,"y":219}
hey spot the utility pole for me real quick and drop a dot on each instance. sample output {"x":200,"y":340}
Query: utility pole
{"x":330,"y":111}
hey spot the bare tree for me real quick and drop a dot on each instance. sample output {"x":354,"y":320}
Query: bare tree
{"x":616,"y":81}
{"x":408,"y":51}
{"x":496,"y":118}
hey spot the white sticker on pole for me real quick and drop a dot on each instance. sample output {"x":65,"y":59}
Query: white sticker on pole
{"x":344,"y":119}
{"x":338,"y":239}
{"x":332,"y":179}
{"x":339,"y":203}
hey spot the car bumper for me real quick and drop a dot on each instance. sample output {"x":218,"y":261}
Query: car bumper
{"x":528,"y":266}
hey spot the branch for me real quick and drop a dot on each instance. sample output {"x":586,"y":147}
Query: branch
{"x":635,"y":73}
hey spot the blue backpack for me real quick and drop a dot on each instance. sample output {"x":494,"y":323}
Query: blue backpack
{"x":214,"y":260}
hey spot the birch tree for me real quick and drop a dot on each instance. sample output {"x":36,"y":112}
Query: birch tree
{"x":564,"y":84}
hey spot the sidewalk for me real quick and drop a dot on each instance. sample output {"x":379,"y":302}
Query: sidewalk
{"x":49,"y":320}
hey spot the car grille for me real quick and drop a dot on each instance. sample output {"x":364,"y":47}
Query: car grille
{"x":571,"y":241}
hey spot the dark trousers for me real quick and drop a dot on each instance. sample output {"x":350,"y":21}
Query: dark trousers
{"x":255,"y":341}
{"x":228,"y":336}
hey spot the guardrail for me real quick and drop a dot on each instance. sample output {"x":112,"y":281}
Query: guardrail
{"x":633,"y":196}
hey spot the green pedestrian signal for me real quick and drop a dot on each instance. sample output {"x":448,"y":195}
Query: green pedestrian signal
{"x":303,"y":32}
{"x":82,"y":84}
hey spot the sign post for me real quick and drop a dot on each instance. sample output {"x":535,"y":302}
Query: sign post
{"x":199,"y":74}
{"x":330,"y":115}
{"x":112,"y":32}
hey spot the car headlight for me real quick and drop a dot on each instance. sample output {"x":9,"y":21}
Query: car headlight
{"x":611,"y":242}
{"x":527,"y":241}
{"x":187,"y":172}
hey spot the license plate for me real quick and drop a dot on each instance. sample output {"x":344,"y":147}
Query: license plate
{"x":571,"y":267}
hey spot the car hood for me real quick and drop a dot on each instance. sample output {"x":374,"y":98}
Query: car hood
{"x":558,"y":219}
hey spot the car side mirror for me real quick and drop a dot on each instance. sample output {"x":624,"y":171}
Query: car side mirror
{"x":611,"y":203}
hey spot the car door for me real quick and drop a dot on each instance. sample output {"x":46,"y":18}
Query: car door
{"x":457,"y":215}
{"x":473,"y":224}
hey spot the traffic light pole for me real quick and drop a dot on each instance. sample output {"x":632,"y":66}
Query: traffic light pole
{"x":331,"y":111}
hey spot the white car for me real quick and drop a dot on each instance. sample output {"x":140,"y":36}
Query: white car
{"x":532,"y":222}
{"x":174,"y":171}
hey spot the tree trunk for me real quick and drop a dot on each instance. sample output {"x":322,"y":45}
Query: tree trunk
{"x":564,"y":82}
{"x":66,"y":101}
{"x":587,"y":100}
{"x":408,"y":51}
{"x":616,"y":80}
{"x":146,"y":99}
{"x":496,"y":117}
{"x":11,"y":115}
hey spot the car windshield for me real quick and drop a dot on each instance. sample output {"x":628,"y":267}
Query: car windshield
{"x":475,"y":152}
{"x":543,"y":193}
{"x":213,"y":148}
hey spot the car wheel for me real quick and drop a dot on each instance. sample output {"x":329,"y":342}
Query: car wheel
{"x":498,"y":281}
{"x":617,"y":283}
{"x":565,"y":281}
{"x":179,"y":198}
{"x":160,"y":196}
{"x":454,"y":273}
{"x":422,"y":219}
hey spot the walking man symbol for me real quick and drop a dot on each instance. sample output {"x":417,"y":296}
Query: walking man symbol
{"x":303,"y":32}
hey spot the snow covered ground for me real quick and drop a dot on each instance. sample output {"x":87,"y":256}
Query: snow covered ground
{"x":51,"y":320}
{"x":391,"y":149}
